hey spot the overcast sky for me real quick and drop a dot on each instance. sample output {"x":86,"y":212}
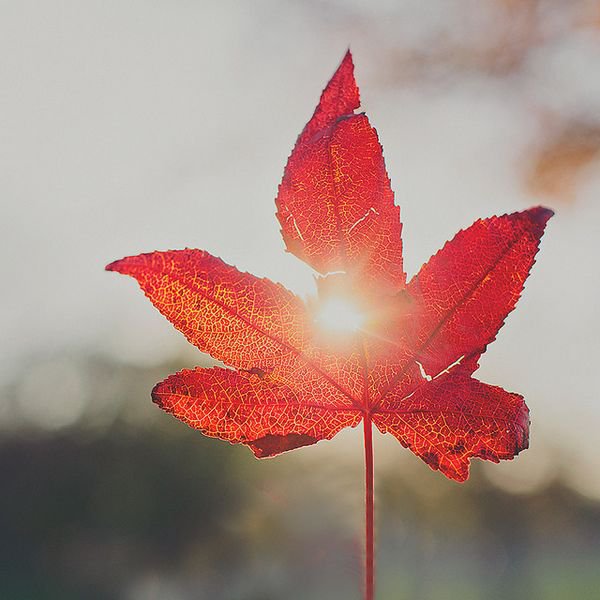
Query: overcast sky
{"x":133,"y":126}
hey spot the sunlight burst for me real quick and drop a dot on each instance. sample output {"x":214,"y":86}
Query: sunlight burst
{"x":339,"y":315}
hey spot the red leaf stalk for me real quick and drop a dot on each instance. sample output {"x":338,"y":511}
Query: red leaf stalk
{"x":369,"y":510}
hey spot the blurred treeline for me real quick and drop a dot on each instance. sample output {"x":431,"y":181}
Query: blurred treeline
{"x":118,"y":500}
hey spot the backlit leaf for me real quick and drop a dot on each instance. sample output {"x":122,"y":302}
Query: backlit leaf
{"x":400,"y":355}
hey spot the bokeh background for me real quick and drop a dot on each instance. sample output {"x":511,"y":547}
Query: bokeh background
{"x":141,"y":125}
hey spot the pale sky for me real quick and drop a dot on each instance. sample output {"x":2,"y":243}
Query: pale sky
{"x":130,"y":127}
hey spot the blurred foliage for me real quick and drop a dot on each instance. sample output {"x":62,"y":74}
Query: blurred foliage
{"x":539,"y":47}
{"x":563,"y":156}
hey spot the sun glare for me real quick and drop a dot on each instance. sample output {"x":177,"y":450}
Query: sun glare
{"x":339,"y":315}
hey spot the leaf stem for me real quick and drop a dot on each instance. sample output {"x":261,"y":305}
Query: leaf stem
{"x":369,"y":508}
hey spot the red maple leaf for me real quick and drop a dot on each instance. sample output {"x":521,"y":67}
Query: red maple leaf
{"x":406,"y":367}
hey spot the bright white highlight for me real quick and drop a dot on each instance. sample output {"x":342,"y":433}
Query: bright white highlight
{"x":339,"y":315}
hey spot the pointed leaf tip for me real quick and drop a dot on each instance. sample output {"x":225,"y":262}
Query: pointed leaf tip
{"x":540,"y":215}
{"x":339,"y":98}
{"x":345,"y":83}
{"x":127,"y":265}
{"x":113,"y":266}
{"x":533,"y":219}
{"x":348,"y":59}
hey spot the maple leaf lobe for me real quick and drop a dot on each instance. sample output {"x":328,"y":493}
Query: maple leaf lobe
{"x":466,"y":290}
{"x":335,"y":204}
{"x":455,"y":418}
{"x":267,"y":415}
{"x":242,"y":320}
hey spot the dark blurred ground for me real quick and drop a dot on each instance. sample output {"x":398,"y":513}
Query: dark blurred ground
{"x":109,"y":509}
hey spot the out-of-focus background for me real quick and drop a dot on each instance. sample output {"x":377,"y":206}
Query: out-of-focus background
{"x":133,"y":126}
